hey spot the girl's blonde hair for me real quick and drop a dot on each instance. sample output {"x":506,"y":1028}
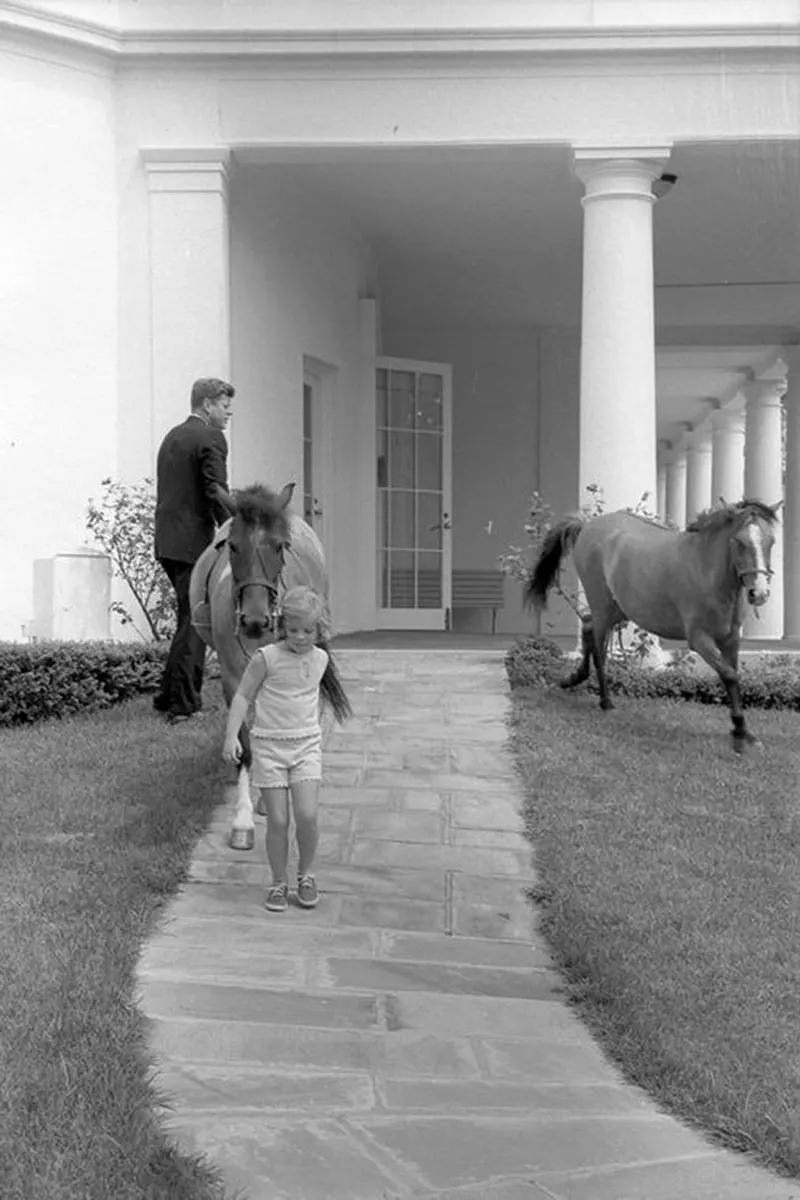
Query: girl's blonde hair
{"x":303,"y":602}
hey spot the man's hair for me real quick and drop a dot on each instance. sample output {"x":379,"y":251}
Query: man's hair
{"x":210,"y":389}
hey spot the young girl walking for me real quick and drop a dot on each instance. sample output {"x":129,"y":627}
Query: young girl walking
{"x":282,"y":682}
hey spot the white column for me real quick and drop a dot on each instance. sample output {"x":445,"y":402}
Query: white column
{"x":189,"y":276}
{"x":661,"y":491}
{"x":698,"y":471}
{"x":676,"y":488}
{"x":617,"y":439}
{"x":762,"y":481}
{"x":791,"y":510}
{"x":727,"y":455}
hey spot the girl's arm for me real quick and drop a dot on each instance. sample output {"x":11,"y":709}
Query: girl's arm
{"x":231,"y":749}
{"x":254,"y":675}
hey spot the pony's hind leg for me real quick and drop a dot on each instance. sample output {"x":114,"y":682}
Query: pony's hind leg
{"x":600,"y":636}
{"x":581,"y":672}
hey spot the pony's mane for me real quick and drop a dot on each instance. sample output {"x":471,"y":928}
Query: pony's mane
{"x":712,"y":520}
{"x":257,"y":505}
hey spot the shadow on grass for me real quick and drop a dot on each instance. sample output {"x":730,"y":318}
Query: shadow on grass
{"x":99,"y":819}
{"x":669,"y":895}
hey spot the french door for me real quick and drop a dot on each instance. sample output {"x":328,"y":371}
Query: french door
{"x":413,"y":402}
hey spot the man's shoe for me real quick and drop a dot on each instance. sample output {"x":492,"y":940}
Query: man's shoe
{"x":182,"y":718}
{"x":307,"y":894}
{"x":277,"y":898}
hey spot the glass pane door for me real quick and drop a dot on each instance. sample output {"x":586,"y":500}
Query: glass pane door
{"x":413,"y":482}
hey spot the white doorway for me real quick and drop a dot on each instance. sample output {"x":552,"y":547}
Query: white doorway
{"x":413,"y":402}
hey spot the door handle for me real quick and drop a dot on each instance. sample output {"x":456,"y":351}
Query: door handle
{"x":445,"y":523}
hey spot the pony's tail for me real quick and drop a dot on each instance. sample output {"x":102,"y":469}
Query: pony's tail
{"x":556,"y":545}
{"x":332,"y":688}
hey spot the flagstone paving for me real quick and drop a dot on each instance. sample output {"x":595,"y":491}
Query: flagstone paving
{"x":407,"y":1038}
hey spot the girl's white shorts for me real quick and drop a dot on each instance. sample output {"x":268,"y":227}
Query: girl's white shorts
{"x":280,"y":762}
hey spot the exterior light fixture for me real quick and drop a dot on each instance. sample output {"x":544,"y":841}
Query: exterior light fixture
{"x":664,"y":184}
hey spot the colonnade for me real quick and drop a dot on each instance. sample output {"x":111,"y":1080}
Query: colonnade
{"x":736,"y":451}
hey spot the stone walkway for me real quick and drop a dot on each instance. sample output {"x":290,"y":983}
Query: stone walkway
{"x":407,"y":1037}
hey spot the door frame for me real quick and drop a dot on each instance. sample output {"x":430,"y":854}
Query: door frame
{"x":421,"y":618}
{"x":320,"y":377}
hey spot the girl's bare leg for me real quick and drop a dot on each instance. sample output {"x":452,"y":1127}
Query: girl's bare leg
{"x":305,"y":801}
{"x":276,"y":802}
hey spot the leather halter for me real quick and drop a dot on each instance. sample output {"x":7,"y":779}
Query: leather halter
{"x":271,"y":584}
{"x":741,"y":575}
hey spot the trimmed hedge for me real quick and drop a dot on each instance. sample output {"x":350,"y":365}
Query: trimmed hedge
{"x":767,"y":681}
{"x":56,"y":679}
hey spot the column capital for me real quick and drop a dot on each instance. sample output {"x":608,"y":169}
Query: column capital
{"x":698,"y":438}
{"x":618,"y":171}
{"x":790,"y":357}
{"x":764,"y":392}
{"x":731,"y":419}
{"x":196,"y":169}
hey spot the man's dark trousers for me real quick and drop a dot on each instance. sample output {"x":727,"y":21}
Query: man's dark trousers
{"x":182,"y":681}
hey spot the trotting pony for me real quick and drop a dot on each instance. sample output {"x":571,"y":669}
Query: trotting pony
{"x":690,"y":585}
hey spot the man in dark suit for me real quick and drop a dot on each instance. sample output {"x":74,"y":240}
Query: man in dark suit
{"x":190,"y":469}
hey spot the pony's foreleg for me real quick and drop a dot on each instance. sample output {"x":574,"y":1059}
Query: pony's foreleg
{"x":243,"y":828}
{"x":581,"y":672}
{"x":725,"y":661}
{"x":740,"y":734}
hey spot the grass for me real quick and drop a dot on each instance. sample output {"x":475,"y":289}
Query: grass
{"x":99,"y":817}
{"x":670,"y":895}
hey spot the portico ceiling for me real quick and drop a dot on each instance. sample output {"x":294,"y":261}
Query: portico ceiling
{"x":494,"y":237}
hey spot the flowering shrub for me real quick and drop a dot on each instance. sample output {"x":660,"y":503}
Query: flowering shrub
{"x":122,"y":522}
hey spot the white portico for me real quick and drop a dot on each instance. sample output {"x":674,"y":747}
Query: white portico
{"x":245,"y":190}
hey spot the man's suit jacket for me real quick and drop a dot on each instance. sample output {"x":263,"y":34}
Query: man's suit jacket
{"x":192,"y":462}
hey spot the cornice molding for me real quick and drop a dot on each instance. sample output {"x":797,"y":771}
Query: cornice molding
{"x":120,"y":43}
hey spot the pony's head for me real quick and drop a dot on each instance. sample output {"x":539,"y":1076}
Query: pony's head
{"x":749,"y":527}
{"x":257,"y":541}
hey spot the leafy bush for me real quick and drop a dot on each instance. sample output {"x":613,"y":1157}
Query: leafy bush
{"x":767,"y":681}
{"x":122,"y":522}
{"x":56,"y":679}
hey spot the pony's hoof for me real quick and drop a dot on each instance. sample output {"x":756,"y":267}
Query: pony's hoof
{"x":743,"y":740}
{"x":571,"y":681}
{"x":606,"y":704}
{"x":242,"y":839}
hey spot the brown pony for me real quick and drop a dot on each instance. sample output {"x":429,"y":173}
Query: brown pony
{"x":235,"y":592}
{"x":690,"y":585}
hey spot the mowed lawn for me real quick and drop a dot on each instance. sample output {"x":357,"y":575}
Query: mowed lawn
{"x":670,"y":893}
{"x":98,"y":816}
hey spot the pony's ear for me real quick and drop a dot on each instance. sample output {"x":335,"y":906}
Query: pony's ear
{"x":227,"y":501}
{"x":774,"y":507}
{"x":286,"y":495}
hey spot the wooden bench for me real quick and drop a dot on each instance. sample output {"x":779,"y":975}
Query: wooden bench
{"x":479,"y":589}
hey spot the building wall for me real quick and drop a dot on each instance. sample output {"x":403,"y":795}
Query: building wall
{"x":298,"y":272}
{"x":58,"y":290}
